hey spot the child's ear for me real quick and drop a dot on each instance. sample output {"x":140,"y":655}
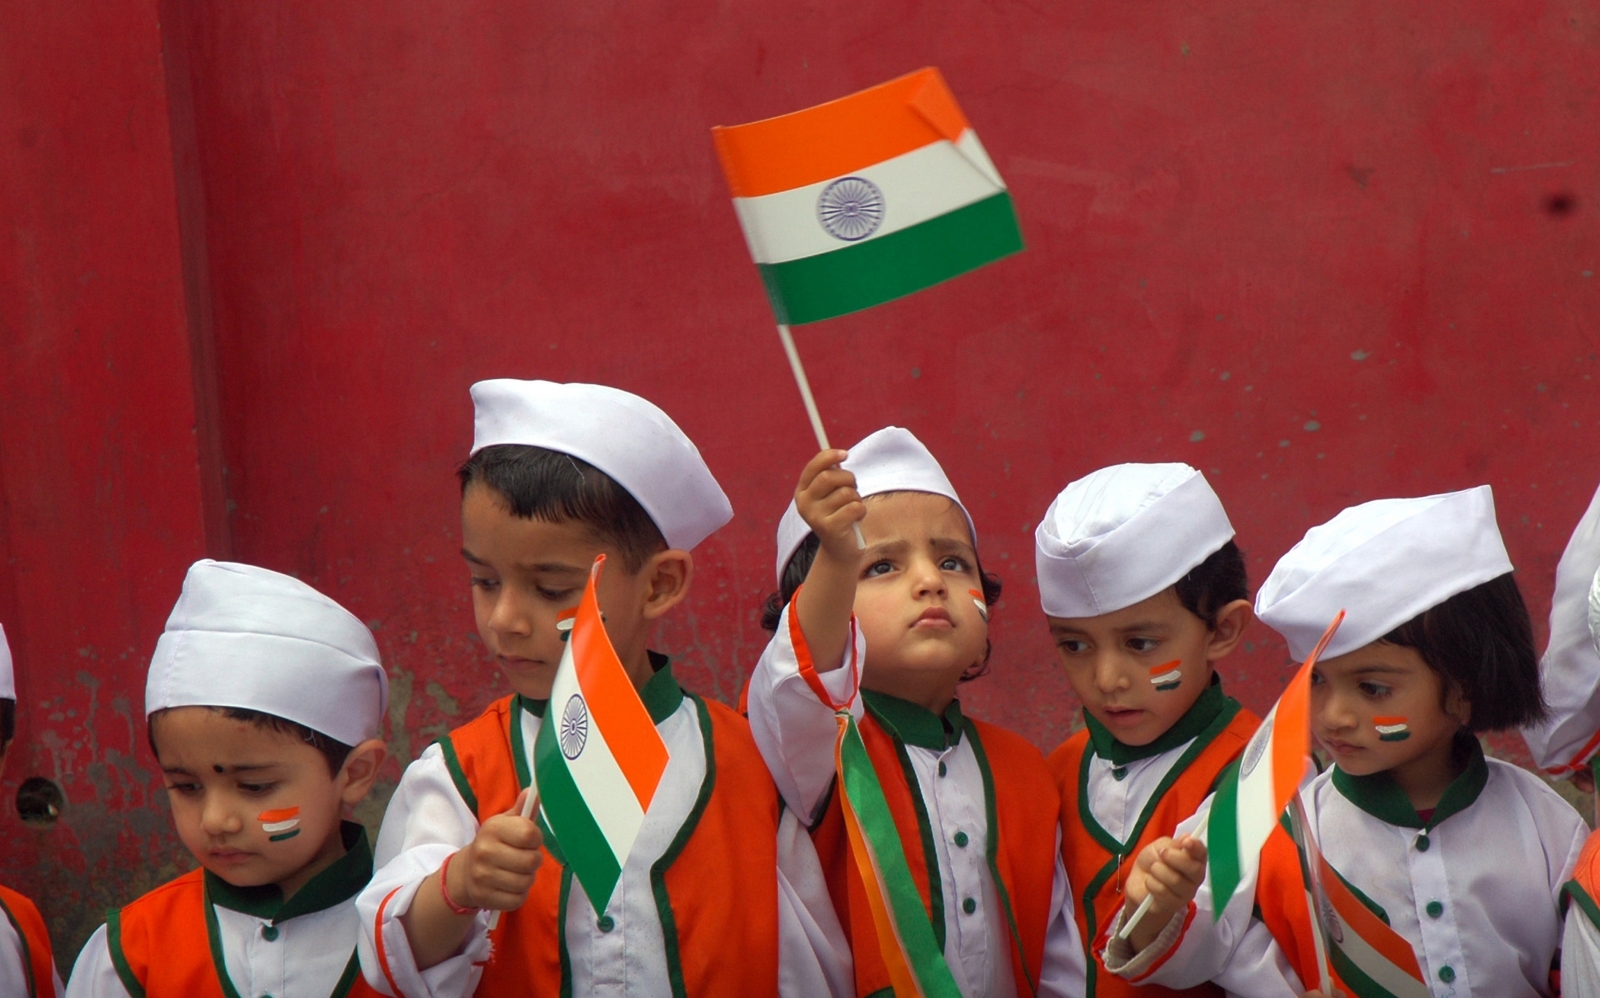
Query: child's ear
{"x":666,"y":581}
{"x":1457,"y":705}
{"x":360,"y":770}
{"x":1232,"y":620}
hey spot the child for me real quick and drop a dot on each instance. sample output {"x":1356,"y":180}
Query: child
{"x":27,"y":966}
{"x":1144,"y":590}
{"x":560,"y":474}
{"x":1564,"y":743}
{"x":974,"y":804}
{"x":1463,"y":856}
{"x":264,"y":703}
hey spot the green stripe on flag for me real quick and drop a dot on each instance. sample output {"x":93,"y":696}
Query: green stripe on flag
{"x":865,"y":796}
{"x":582,"y":843}
{"x":1358,"y":983}
{"x":889,"y":267}
{"x":1222,"y":841}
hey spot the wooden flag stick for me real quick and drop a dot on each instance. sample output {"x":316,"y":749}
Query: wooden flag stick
{"x":811,"y":406}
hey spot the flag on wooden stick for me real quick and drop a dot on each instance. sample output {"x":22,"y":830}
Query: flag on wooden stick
{"x":598,"y":757}
{"x":865,"y":199}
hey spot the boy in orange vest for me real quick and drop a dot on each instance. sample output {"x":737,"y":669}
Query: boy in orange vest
{"x":27,"y":967}
{"x":264,"y":704}
{"x":471,"y":895}
{"x":1144,"y":591}
{"x":890,"y":632}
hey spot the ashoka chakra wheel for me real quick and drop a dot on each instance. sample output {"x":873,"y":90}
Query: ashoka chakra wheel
{"x":574,"y":731}
{"x":850,"y":208}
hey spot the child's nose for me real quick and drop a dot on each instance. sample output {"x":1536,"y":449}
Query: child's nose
{"x":927,"y":578}
{"x":1108,"y":677}
{"x":508,"y":615}
{"x":217,"y":818}
{"x":1335,"y":712}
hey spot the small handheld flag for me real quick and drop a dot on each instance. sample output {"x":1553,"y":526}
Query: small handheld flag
{"x":1252,"y":796}
{"x":598,"y":757}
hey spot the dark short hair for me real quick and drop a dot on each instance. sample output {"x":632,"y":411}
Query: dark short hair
{"x":8,"y":721}
{"x":334,"y":752}
{"x":1214,"y":583}
{"x":541,"y":484}
{"x":1481,"y":641}
{"x":799,"y":566}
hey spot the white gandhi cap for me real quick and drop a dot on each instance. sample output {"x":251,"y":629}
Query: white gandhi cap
{"x":621,"y":434}
{"x":1383,"y":563}
{"x":8,"y":682}
{"x":888,"y":460}
{"x":1123,"y":534}
{"x":242,"y":636}
{"x":1570,"y":668}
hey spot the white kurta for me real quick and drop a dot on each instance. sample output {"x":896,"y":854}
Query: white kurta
{"x":625,"y":955}
{"x":300,"y":957}
{"x":14,"y":966}
{"x":1580,"y":956}
{"x":1477,"y":895}
{"x":796,"y":732}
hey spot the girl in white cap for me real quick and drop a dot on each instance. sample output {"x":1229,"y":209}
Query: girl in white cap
{"x":27,"y":965}
{"x":1463,"y":856}
{"x":888,"y":633}
{"x":264,"y":704}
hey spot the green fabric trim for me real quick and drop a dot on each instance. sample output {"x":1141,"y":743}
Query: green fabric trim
{"x":878,"y":270}
{"x":658,"y":872}
{"x":347,"y":980}
{"x":992,"y":851}
{"x":214,"y":936}
{"x":561,"y":932}
{"x":119,"y":960}
{"x":661,"y":694}
{"x":1379,"y":795}
{"x":1573,"y":891}
{"x":27,"y":953}
{"x":341,"y":880}
{"x":882,"y":993}
{"x":1200,"y":714}
{"x":1229,"y":709}
{"x":930,"y":855}
{"x":914,"y":724}
{"x":452,"y":762}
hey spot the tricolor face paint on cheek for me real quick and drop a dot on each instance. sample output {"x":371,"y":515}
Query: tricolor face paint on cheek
{"x":280,"y":824}
{"x":1166,"y":677}
{"x":1392,"y":729}
{"x":977,"y":601}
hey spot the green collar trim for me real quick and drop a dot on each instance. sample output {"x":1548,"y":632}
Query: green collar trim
{"x":27,"y":955}
{"x":661,"y":693}
{"x":914,"y":724}
{"x":342,"y":880}
{"x":1200,"y":714}
{"x":1381,"y":797}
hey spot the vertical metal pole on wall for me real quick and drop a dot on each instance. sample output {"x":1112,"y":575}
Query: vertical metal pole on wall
{"x":811,"y":405}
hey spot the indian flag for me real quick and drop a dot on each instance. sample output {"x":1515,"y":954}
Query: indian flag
{"x":911,"y":954}
{"x":867,"y":198}
{"x":1251,"y":797}
{"x":1370,"y":959}
{"x":598,"y":757}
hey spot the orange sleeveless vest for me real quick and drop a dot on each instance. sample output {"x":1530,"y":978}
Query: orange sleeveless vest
{"x":1096,"y":871}
{"x":1022,"y":813}
{"x":30,"y":928}
{"x":160,"y":946}
{"x":716,"y":886}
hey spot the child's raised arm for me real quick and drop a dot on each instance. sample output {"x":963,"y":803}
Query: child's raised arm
{"x":1170,"y":873}
{"x":827,"y":501}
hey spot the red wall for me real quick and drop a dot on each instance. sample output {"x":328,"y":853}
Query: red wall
{"x":1324,"y":254}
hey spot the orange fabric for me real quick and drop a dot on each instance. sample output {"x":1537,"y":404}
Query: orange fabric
{"x":1025,"y":815}
{"x":1587,"y":872}
{"x":41,"y":962}
{"x":165,"y":942}
{"x":1281,"y":899}
{"x":723,"y":886}
{"x":1085,"y":857}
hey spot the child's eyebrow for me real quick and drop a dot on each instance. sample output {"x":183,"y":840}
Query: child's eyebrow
{"x":546,"y":568}
{"x":1142,"y":625}
{"x":949,"y":544}
{"x":885,"y":547}
{"x":1380,"y":670}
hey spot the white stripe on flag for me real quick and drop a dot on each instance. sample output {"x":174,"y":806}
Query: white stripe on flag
{"x":922,"y":184}
{"x":1375,"y":965}
{"x":599,"y":779}
{"x":1257,"y":813}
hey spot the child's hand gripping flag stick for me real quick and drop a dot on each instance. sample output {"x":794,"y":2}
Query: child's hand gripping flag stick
{"x":598,"y":757}
{"x":530,"y":807}
{"x":862,"y":200}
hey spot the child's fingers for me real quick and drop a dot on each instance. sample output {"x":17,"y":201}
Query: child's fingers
{"x":819,"y":464}
{"x":835,"y":485}
{"x":513,"y":831}
{"x":1151,"y":854}
{"x":1193,"y":846}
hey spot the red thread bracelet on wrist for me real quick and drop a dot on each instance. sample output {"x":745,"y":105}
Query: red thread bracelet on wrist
{"x":444,"y":890}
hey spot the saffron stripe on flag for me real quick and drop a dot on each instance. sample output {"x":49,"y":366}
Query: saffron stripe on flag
{"x":879,"y":270}
{"x":839,"y":137}
{"x":617,"y":716}
{"x":1365,"y":944}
